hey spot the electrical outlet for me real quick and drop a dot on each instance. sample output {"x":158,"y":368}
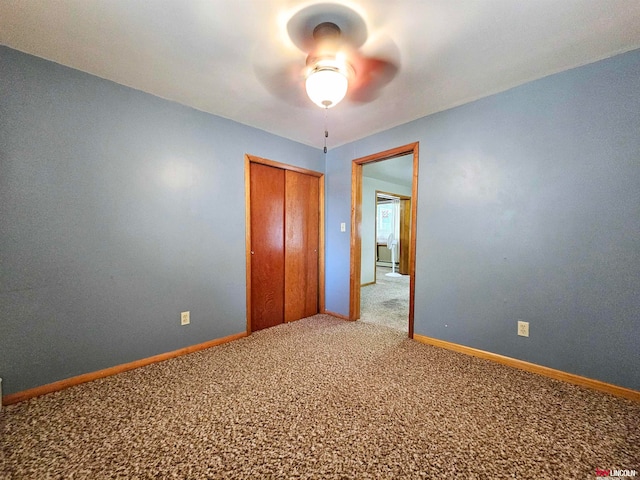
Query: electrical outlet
{"x":185,"y":318}
{"x":523,"y":328}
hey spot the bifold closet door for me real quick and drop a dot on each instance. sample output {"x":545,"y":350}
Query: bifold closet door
{"x":267,"y":246}
{"x":301,"y":213}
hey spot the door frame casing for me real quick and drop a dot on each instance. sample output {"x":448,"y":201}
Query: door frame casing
{"x":355,"y":263}
{"x":248,"y":160}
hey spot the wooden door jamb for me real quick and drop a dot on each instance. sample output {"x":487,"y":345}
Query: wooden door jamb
{"x":356,"y":223}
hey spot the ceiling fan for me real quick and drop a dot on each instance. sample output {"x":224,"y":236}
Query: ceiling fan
{"x":342,"y":59}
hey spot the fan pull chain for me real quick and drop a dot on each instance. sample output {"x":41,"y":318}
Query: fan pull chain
{"x":326,"y":132}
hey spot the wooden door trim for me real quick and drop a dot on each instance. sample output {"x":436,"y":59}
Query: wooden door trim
{"x":405,"y":234}
{"x":356,"y":224}
{"x":283,"y":166}
{"x":321,"y":305}
{"x":397,"y":195}
{"x":248,"y":160}
{"x":247,"y":236}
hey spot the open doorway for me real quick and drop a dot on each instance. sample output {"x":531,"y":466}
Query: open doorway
{"x":392,"y":216}
{"x":384,"y":290}
{"x":364,"y":242}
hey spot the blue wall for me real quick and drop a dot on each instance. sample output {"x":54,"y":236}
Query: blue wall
{"x":118,"y":210}
{"x":528,"y":208}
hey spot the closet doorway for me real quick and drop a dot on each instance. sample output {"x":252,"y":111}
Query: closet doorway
{"x":284,"y":242}
{"x":410,"y":209}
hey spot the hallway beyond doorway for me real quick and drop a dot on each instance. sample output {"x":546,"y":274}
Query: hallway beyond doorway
{"x":386,"y":302}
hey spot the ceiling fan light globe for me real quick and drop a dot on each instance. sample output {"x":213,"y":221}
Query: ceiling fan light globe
{"x":326,"y":87}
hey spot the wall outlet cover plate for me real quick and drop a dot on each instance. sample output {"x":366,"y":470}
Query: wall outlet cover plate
{"x":523,"y":328}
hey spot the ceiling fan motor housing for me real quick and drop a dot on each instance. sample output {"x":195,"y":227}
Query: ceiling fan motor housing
{"x":327,"y":56}
{"x":326,"y":30}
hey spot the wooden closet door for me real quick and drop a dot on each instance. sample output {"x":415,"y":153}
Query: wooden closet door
{"x":267,"y":246}
{"x":301,"y":245}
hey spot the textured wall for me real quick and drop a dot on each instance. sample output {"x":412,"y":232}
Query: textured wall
{"x":528,"y":208}
{"x":118,"y":210}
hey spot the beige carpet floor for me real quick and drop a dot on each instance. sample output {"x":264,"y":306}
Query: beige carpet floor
{"x":386,"y":302}
{"x":320,"y":398}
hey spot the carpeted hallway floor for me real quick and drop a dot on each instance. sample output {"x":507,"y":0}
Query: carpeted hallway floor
{"x":321,"y":398}
{"x":386,"y":302}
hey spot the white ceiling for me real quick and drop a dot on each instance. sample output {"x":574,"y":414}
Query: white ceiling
{"x":203,"y":53}
{"x":397,"y":170}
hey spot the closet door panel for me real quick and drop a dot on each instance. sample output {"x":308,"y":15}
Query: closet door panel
{"x":267,"y":246}
{"x":301,"y":245}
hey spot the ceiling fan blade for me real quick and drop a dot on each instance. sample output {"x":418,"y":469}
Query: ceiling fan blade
{"x":371,"y":76}
{"x":283,"y":80}
{"x":285,"y":84}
